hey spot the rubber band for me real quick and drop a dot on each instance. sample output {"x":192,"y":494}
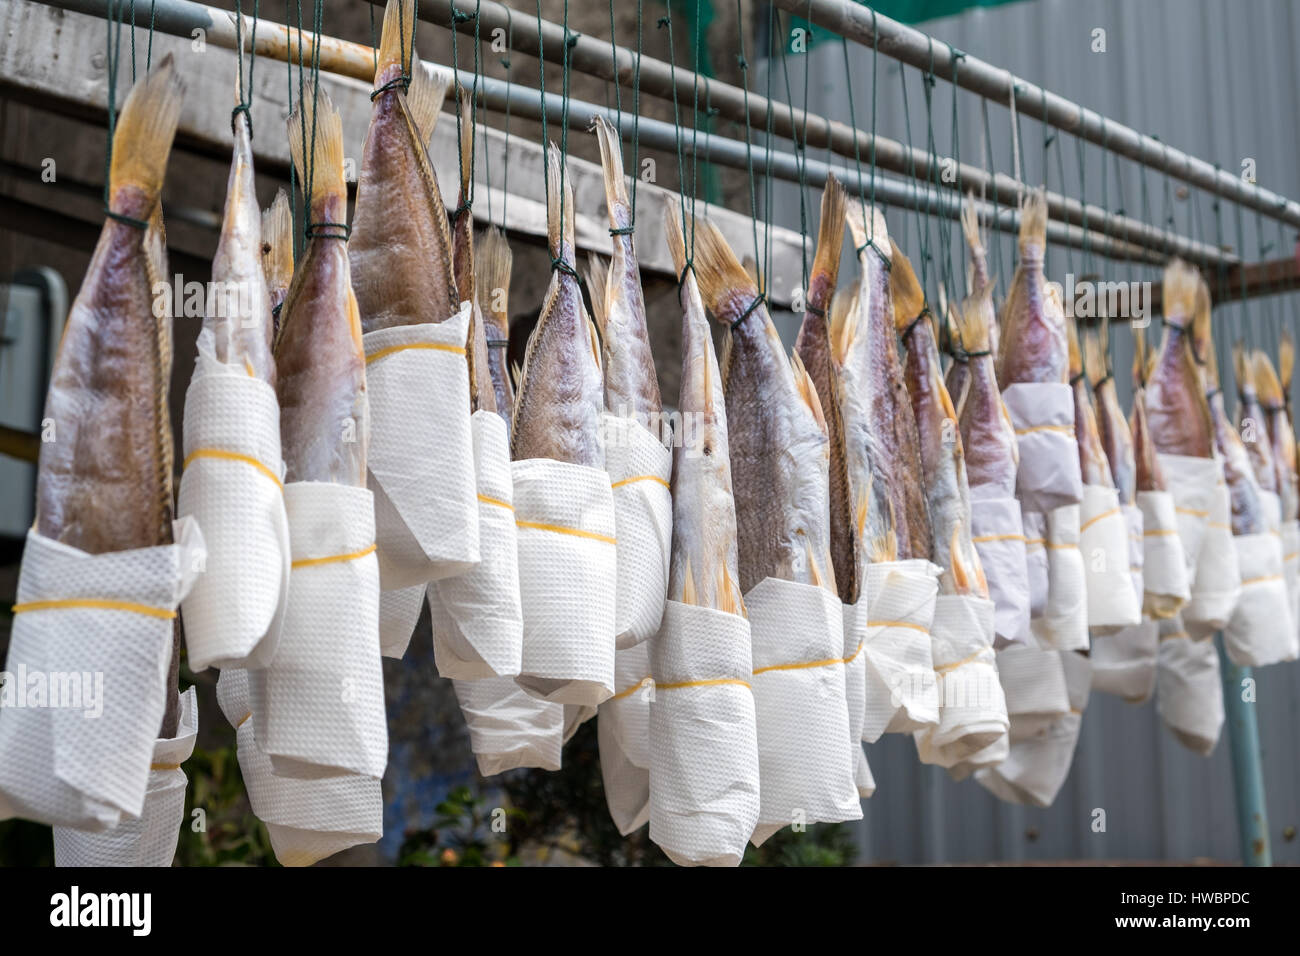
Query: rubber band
{"x":141,"y":224}
{"x":498,"y":343}
{"x":326,"y":230}
{"x":95,"y":604}
{"x":623,"y":231}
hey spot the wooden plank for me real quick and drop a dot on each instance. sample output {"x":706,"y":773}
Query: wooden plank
{"x":56,"y":56}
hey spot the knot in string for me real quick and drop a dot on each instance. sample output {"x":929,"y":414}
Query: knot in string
{"x":623,"y":231}
{"x":402,"y":82}
{"x":329,"y":230}
{"x":247,"y":110}
{"x":663,"y":21}
{"x":925,"y":311}
{"x":884,"y":259}
{"x":141,"y":224}
{"x":559,"y":265}
{"x":462,"y":16}
{"x":759,"y":299}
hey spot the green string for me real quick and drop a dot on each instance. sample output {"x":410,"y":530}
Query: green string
{"x":505,"y":171}
{"x":688,"y":239}
{"x":630,"y":229}
{"x":558,"y":261}
{"x":994,"y":234}
{"x":800,"y":157}
{"x":765,"y":277}
{"x":749,"y":152}
{"x":246,"y":92}
{"x":1081,"y":157}
{"x":403,"y":80}
{"x":922,"y":237}
{"x":867,"y":220}
{"x":467,"y":201}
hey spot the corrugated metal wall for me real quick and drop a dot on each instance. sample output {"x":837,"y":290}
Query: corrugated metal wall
{"x":1218,"y":79}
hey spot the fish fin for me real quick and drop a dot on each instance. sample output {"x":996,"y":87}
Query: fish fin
{"x":326,"y":146}
{"x":617,"y":203}
{"x":492,"y":262}
{"x":842,"y":330}
{"x":960,"y":575}
{"x":516,"y":375}
{"x":867,"y":224}
{"x":975,"y":327}
{"x":724,"y":360}
{"x":1178,"y":293}
{"x":1243,"y":369}
{"x":720,"y":275}
{"x":1033,"y":221}
{"x":142,"y":139}
{"x":750,"y":266}
{"x":155,"y":258}
{"x":830,"y":232}
{"x":904,"y":289}
{"x":396,"y":41}
{"x":808,"y":390}
{"x":690,"y":594}
{"x":277,"y":241}
{"x":729,"y":597}
{"x":559,"y":193}
{"x":424,"y":99}
{"x":1094,"y":359}
{"x":593,"y":337}
{"x":466,"y":106}
{"x":814,"y":566}
{"x":597,"y":283}
{"x":1266,"y":381}
{"x":970,"y":226}
{"x":1286,"y":360}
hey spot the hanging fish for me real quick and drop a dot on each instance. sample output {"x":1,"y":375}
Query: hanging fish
{"x":869,"y":346}
{"x":277,"y":254}
{"x":989,"y":437}
{"x":1251,"y":423}
{"x":1093,"y":464}
{"x":1175,"y":398}
{"x":1112,"y":428}
{"x":943,"y":460}
{"x":631,"y":386}
{"x":779,"y":450}
{"x":1147,"y":473}
{"x":400,"y":248}
{"x":1280,"y":432}
{"x":562,"y":389}
{"x":324,"y":417}
{"x":703,"y":566}
{"x":105,"y":483}
{"x":482,"y":390}
{"x":1033,"y":346}
{"x":977,"y":278}
{"x":813,"y":346}
{"x":493,"y":262}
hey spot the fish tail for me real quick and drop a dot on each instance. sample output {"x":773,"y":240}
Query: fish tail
{"x":864,"y":225}
{"x":424,"y":98}
{"x":970,"y":226}
{"x":318,"y":123}
{"x":974,"y":326}
{"x":597,"y":280}
{"x":611,"y":164}
{"x":1266,"y":381}
{"x":1286,"y":361}
{"x":830,"y":233}
{"x":905,"y":289}
{"x":145,"y":129}
{"x":1241,"y":367}
{"x":721,"y":277}
{"x":277,"y":242}
{"x":492,"y":261}
{"x":396,"y":41}
{"x":673,"y":236}
{"x":559,"y":205}
{"x":1033,"y":221}
{"x":1094,"y":358}
{"x":1179,"y":293}
{"x":466,"y":106}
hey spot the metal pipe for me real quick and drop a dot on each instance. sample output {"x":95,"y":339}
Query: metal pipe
{"x":1247,"y":762}
{"x":915,"y":48}
{"x":533,"y":36}
{"x":276,"y":41}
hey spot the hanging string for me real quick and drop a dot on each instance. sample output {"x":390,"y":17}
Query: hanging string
{"x":688,"y":237}
{"x":955,"y":56}
{"x":246,"y":92}
{"x":630,"y":229}
{"x":1017,"y":144}
{"x":800,"y":156}
{"x":994,"y":233}
{"x":922,"y":236}
{"x":457,"y":17}
{"x":505,"y":164}
{"x":323,"y":229}
{"x":112,"y":59}
{"x":749,"y":152}
{"x":867,"y":220}
{"x":403,"y":80}
{"x":765,"y":276}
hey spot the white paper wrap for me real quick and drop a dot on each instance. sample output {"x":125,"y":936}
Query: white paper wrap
{"x":1104,"y":547}
{"x":307,"y":820}
{"x":567,"y":580}
{"x":1189,"y":688}
{"x":807,"y":773}
{"x":1043,"y":417}
{"x":1033,"y":680}
{"x":1191,"y":482}
{"x":149,"y":839}
{"x":232,"y":485}
{"x":623,"y":735}
{"x":399,"y":612}
{"x":508,"y":727}
{"x":319,"y":706}
{"x":1216,"y":586}
{"x":420,"y":460}
{"x":1166,"y":584}
{"x":1134,"y":523}
{"x":478,"y":627}
{"x":704,"y":793}
{"x":1124,"y":663}
{"x":93,"y":631}
{"x":1037,"y":765}
{"x":972,"y":707}
{"x":1064,"y":621}
{"x":902,"y":695}
{"x":1261,"y":630}
{"x":639,"y":468}
{"x":1036,"y":572}
{"x":855,"y":690}
{"x":999,"y":537}
{"x":1291,"y":573}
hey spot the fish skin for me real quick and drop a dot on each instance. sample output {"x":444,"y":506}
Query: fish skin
{"x":277,"y":254}
{"x":324,"y":415}
{"x":875,"y":362}
{"x":631,"y":385}
{"x":1112,"y":427}
{"x":780,"y":455}
{"x":1094,"y":467}
{"x":493,"y":262}
{"x":244,"y":338}
{"x":813,"y":346}
{"x":104,"y":483}
{"x":400,"y":248}
{"x":1176,"y":408}
{"x":943,"y":460}
{"x":482,"y":391}
{"x":988,"y":435}
{"x":562,"y":390}
{"x":1033,"y":345}
{"x":703,"y":567}
{"x":1250,"y":415}
{"x":1149,"y":475}
{"x":1281,"y":434}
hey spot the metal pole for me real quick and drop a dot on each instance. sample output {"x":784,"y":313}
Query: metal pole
{"x":915,"y":48}
{"x":593,"y":56}
{"x":1247,"y":763}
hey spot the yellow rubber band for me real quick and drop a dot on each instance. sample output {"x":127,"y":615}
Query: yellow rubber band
{"x":1095,"y":518}
{"x":1174,"y":635}
{"x":1193,"y":512}
{"x":98,"y":604}
{"x":1063,"y":429}
{"x":232,"y":456}
{"x":333,"y":558}
{"x":852,"y":657}
{"x":1262,"y":577}
{"x":634,"y":688}
{"x":915,"y":627}
{"x":1159,"y":532}
{"x":628,"y":481}
{"x":164,"y":766}
{"x":961,"y":663}
{"x":997,"y":537}
{"x":801,"y":666}
{"x":560,"y":529}
{"x":435,"y":346}
{"x":493,"y":501}
{"x":243,"y":720}
{"x":703,"y":683}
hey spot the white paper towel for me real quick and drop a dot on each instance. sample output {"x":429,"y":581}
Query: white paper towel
{"x":623,"y":735}
{"x":1033,"y":680}
{"x":806,"y":772}
{"x":478,"y":628}
{"x":640,"y":468}
{"x":902,"y":695}
{"x":1189,"y":689}
{"x":1124,"y":663}
{"x":319,"y":706}
{"x":1291,"y":572}
{"x":89,"y":626}
{"x":399,"y":612}
{"x":420,"y":460}
{"x":567,"y":580}
{"x":1216,"y":586}
{"x":232,"y":485}
{"x":1133,"y":521}
{"x":1064,"y":622}
{"x":149,"y":839}
{"x":1166,"y":584}
{"x":999,"y":537}
{"x":704,"y":776}
{"x":1191,"y":483}
{"x":855,"y":689}
{"x":307,"y":820}
{"x":1043,"y":417}
{"x":1104,"y":547}
{"x":508,"y":727}
{"x":1261,"y":630}
{"x":1035,"y":525}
